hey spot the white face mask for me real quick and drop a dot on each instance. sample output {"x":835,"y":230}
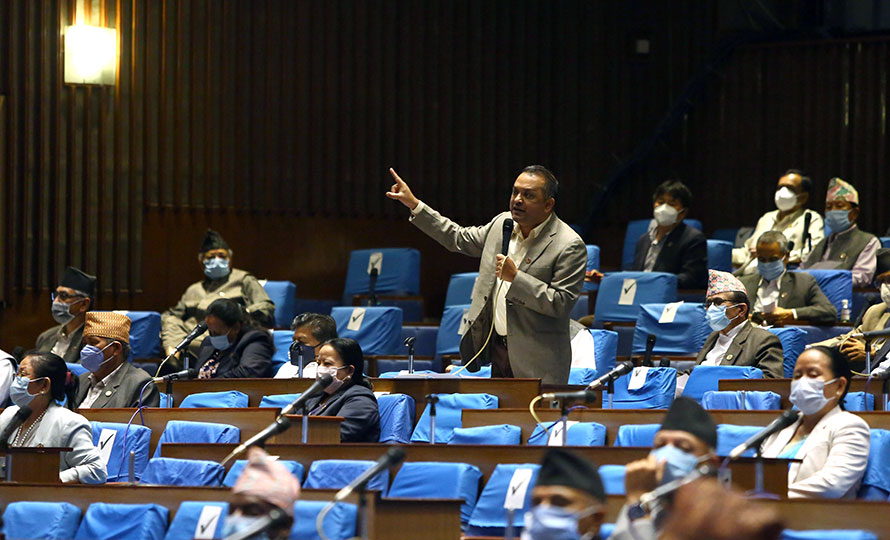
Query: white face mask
{"x":332,"y":371}
{"x":665,"y":215}
{"x":885,"y":294}
{"x":808,"y":394}
{"x":785,"y":199}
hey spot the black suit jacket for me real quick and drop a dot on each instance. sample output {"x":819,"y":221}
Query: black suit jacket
{"x":799,"y":291}
{"x":358,"y":406}
{"x":250,"y":356}
{"x":685,"y":253}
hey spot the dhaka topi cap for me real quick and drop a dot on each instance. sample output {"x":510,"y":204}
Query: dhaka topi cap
{"x":839,"y":190}
{"x":107,"y":324}
{"x":721,"y":282}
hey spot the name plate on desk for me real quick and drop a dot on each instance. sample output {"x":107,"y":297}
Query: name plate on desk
{"x":33,"y":465}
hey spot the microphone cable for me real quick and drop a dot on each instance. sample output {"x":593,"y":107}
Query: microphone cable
{"x":490,"y":331}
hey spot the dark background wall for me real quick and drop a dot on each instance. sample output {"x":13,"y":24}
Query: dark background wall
{"x":275,"y":121}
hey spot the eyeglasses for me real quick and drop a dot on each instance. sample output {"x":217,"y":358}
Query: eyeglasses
{"x":717,"y":302}
{"x":63,"y":296}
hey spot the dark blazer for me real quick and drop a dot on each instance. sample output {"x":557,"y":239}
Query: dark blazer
{"x":121,"y":391}
{"x":250,"y":356}
{"x":752,"y":346}
{"x":358,"y":406}
{"x":685,"y":253}
{"x":800,"y":291}
{"x":47,"y":340}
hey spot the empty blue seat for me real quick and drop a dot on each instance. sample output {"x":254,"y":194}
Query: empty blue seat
{"x":815,"y":334}
{"x":145,"y":334}
{"x":182,"y":472}
{"x":338,"y":473}
{"x":182,"y":431}
{"x":279,"y":401}
{"x":726,"y":234}
{"x":483,"y":373}
{"x":729,"y":436}
{"x":579,"y":434}
{"x":704,"y":378}
{"x":448,"y":338}
{"x":720,"y":255}
{"x":436,"y":480}
{"x":741,"y":400}
{"x":794,"y":341}
{"x":425,"y":339}
{"x":226,"y":398}
{"x":396,"y":365}
{"x":503,"y":434}
{"x":583,"y":376}
{"x":27,"y":519}
{"x":377,"y":329}
{"x":834,"y":534}
{"x":657,"y":392}
{"x":593,"y":263}
{"x":166,"y":400}
{"x":685,"y":335}
{"x":448,"y":414}
{"x":108,"y":521}
{"x":396,"y":417}
{"x":636,"y":435}
{"x":398,"y":272}
{"x":295,"y":467}
{"x":621,"y":294}
{"x":613,"y":479}
{"x":193,"y":521}
{"x":605,"y":348}
{"x":859,"y":401}
{"x":339,"y":523}
{"x":123,"y":440}
{"x":876,"y":480}
{"x":284,"y":295}
{"x":489,"y":517}
{"x":460,"y":288}
{"x":837,"y":286}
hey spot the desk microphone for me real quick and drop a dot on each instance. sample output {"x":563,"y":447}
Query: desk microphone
{"x":183,"y":375}
{"x":650,"y":346}
{"x":196,"y":331}
{"x":505,"y":239}
{"x":392,"y":457}
{"x":587,"y":394}
{"x":873,"y":334}
{"x":754,"y":441}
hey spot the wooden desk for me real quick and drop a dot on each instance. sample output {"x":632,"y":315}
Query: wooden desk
{"x":783,"y":388}
{"x":484,"y":457}
{"x":33,"y":464}
{"x":322,"y":430}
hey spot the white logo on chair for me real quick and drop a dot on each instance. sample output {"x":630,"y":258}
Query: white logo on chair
{"x":555,"y":438}
{"x":628,"y":292}
{"x":637,"y":378}
{"x":376,"y":261}
{"x":356,"y":319}
{"x":106,"y":442}
{"x":207,"y":522}
{"x":464,"y":323}
{"x":669,"y":313}
{"x":517,"y":489}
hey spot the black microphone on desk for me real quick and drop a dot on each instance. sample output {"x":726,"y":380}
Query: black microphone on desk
{"x":321,"y":382}
{"x":392,"y":457}
{"x":372,"y":287}
{"x":275,"y":518}
{"x":196,"y":331}
{"x":20,"y":416}
{"x":587,"y":394}
{"x":650,"y":345}
{"x":873,"y":334}
{"x":295,"y":352}
{"x":505,"y":239}
{"x":183,"y":375}
{"x":754,"y":441}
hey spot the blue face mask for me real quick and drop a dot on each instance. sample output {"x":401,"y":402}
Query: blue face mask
{"x":238,"y":523}
{"x":220,"y":343}
{"x":717,"y":319}
{"x":678,"y":463}
{"x":18,"y":392}
{"x":837,"y":220}
{"x":553,"y":523}
{"x":91,"y":358}
{"x":216,"y":268}
{"x":770,"y":270}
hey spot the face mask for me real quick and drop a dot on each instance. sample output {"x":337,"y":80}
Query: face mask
{"x":885,"y":294}
{"x":92,"y":358}
{"x":678,"y":463}
{"x":62,"y":312}
{"x":808,"y":394}
{"x":18,"y":392}
{"x":216,"y":268}
{"x":837,"y":220}
{"x":717,"y":319}
{"x":665,"y":215}
{"x":771,"y":270}
{"x":785,"y":199}
{"x":332,"y":371}
{"x":236,"y":523}
{"x":553,"y":523}
{"x":220,"y":343}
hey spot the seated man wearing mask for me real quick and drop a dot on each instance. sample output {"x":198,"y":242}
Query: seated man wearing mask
{"x":221,"y":281}
{"x":782,"y":296}
{"x":846,"y":248}
{"x":686,"y":439}
{"x":310,"y":329}
{"x":802,"y":227}
{"x":71,"y":300}
{"x":734,"y":341}
{"x":568,"y":500}
{"x":112,"y":381}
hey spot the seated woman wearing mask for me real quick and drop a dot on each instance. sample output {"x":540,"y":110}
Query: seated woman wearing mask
{"x":832,"y":443}
{"x":39,"y":384}
{"x":349,"y":395}
{"x":234,"y":348}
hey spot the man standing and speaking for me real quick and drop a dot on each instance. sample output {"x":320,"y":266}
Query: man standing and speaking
{"x":519,"y":316}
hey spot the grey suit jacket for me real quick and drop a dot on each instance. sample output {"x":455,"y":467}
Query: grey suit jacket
{"x":122,"y":390}
{"x":798,"y":291}
{"x":47,"y":340}
{"x":752,"y":346}
{"x":539,"y":300}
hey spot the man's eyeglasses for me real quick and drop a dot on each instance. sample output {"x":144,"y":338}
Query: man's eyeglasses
{"x":64,"y":297}
{"x":717,"y":302}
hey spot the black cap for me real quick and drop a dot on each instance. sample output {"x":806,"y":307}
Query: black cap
{"x":883,"y":257}
{"x":563,"y":468}
{"x":687,"y":415}
{"x":79,"y":281}
{"x":213,"y":240}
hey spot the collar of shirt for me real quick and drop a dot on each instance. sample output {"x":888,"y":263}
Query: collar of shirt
{"x":764,"y":283}
{"x":785,"y":222}
{"x":846,"y":231}
{"x":105,"y":381}
{"x":729,"y":336}
{"x":534,"y":233}
{"x":64,"y":333}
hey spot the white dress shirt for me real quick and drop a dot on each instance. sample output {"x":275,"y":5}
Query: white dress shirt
{"x":63,"y":343}
{"x":96,"y":388}
{"x":290,"y":371}
{"x":715,"y":355}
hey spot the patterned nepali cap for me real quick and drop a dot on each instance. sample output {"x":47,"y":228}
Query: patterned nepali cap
{"x":269,"y":480}
{"x":720,"y":282}
{"x":838,"y":190}
{"x":107,"y":324}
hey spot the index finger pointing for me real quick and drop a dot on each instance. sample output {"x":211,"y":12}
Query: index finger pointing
{"x":396,"y":176}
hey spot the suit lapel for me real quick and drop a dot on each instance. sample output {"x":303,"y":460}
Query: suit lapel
{"x":539,"y":244}
{"x":813,"y":438}
{"x":110,"y":387}
{"x":735,"y":348}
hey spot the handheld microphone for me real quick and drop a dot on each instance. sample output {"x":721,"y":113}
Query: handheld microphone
{"x":183,"y":375}
{"x":505,"y":239}
{"x":587,"y":394}
{"x":20,"y":416}
{"x":873,"y":334}
{"x":322,"y":382}
{"x":274,"y":518}
{"x":754,"y":441}
{"x":196,"y":331}
{"x":392,"y":457}
{"x":650,"y":345}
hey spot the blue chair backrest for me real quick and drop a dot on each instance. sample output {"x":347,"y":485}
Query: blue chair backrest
{"x":794,"y":341}
{"x":613,"y":478}
{"x":396,"y":417}
{"x":76,"y":369}
{"x":425,"y":339}
{"x":339,"y":523}
{"x":448,"y":339}
{"x":657,"y":392}
{"x":145,"y":334}
{"x":621,"y":294}
{"x":816,"y":334}
{"x":685,"y":335}
{"x":377,"y":329}
{"x":489,"y":517}
{"x":837,"y":286}
{"x":27,"y":519}
{"x":284,"y":295}
{"x":398,"y":272}
{"x":295,"y":467}
{"x":704,"y":378}
{"x":197,"y":519}
{"x":460,"y":288}
{"x":166,"y":400}
{"x":114,"y":521}
{"x":182,"y":431}
{"x":483,"y":373}
{"x":578,"y":375}
{"x":885,"y":241}
{"x":435,"y":480}
{"x":876,"y":480}
{"x":834,"y":534}
{"x":726,"y":234}
{"x":729,"y":436}
{"x":635,"y":229}
{"x":502,"y":434}
{"x":636,"y":435}
{"x":859,"y":401}
{"x":338,"y":473}
{"x":448,"y":414}
{"x":605,"y":347}
{"x":720,"y":255}
{"x":278,"y":401}
{"x":136,"y":439}
{"x":741,"y":400}
{"x":225,"y":398}
{"x":593,"y":263}
{"x":580,"y":434}
{"x":182,"y":472}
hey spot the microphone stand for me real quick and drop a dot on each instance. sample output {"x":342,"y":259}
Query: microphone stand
{"x":564,"y":418}
{"x":305,"y":425}
{"x":610,"y":388}
{"x":432,"y":400}
{"x":867,"y":354}
{"x":410,"y":344}
{"x":884,"y":388}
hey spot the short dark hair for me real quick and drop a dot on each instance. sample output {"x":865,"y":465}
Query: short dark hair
{"x":840,"y":367}
{"x":322,"y":327}
{"x":676,"y":189}
{"x":738,"y":297}
{"x":551,"y":184}
{"x":51,"y":365}
{"x":775,"y":237}
{"x":228,"y":311}
{"x":351,"y":353}
{"x":806,"y":183}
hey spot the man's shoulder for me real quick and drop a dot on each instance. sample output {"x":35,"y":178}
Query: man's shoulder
{"x":874,"y":313}
{"x":240,"y":275}
{"x":759,"y":334}
{"x":566,"y":234}
{"x":133,"y":373}
{"x":49,"y":333}
{"x":750,"y":281}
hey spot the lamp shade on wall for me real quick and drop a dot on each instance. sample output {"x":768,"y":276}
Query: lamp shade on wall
{"x":90,"y":54}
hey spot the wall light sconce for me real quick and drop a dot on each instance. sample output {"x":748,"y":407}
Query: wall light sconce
{"x":90,"y":55}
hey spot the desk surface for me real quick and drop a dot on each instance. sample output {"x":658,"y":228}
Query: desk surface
{"x":783,"y":388}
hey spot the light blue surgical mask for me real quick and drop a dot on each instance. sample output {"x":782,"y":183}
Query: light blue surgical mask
{"x":837,"y":220}
{"x":216,"y":268}
{"x":18,"y":392}
{"x":716,"y":316}
{"x":545,"y":522}
{"x":220,"y":343}
{"x":91,"y":358}
{"x":235,"y":523}
{"x":770,"y":270}
{"x":678,"y":463}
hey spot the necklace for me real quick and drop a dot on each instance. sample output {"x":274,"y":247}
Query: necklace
{"x":19,"y":438}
